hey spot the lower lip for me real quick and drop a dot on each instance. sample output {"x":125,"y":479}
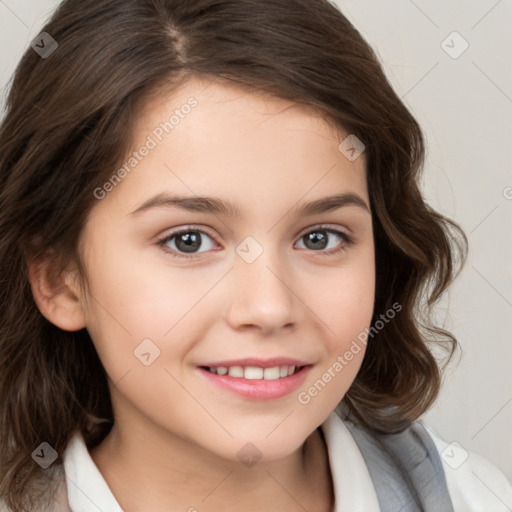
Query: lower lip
{"x":259,"y":389}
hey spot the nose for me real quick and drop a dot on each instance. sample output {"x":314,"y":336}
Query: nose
{"x":261,"y":294}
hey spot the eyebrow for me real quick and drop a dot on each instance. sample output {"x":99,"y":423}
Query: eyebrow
{"x":228,"y":209}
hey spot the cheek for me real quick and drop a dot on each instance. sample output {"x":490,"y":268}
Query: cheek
{"x":345,"y":307}
{"x":138,"y":298}
{"x":144,"y":292}
{"x":347,"y":300}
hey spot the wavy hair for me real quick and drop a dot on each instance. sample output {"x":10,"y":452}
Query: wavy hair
{"x":67,"y":126}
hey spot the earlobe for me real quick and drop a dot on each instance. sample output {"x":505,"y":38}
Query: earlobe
{"x":56,"y":296}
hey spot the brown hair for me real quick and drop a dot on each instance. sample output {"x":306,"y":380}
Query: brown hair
{"x":67,"y":127}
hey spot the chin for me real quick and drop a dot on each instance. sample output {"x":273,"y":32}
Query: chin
{"x":254,"y":449}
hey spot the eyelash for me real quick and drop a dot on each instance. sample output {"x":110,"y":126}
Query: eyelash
{"x":347,"y":239}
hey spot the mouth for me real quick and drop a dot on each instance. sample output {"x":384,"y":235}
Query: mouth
{"x":254,"y":372}
{"x":263,"y":381}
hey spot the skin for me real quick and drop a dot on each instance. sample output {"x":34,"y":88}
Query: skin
{"x":176,"y":436}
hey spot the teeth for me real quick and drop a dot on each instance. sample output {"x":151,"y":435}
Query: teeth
{"x":255,"y":372}
{"x":236,"y":371}
{"x":271,"y":373}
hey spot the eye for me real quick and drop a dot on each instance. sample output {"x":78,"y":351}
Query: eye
{"x":186,"y":241}
{"x":322,"y":238}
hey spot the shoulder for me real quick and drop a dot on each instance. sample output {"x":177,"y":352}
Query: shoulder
{"x":474,"y":483}
{"x":431,"y":464}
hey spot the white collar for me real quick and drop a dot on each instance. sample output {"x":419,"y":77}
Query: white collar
{"x":87,"y":489}
{"x":353,"y":488}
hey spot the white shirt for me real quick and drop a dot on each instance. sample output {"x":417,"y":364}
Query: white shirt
{"x":475,"y":485}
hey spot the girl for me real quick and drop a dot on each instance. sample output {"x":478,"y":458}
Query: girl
{"x":217,"y":268}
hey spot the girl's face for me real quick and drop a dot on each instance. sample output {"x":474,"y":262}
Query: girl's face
{"x":258,"y":272}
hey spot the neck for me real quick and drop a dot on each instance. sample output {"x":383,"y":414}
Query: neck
{"x":155,"y":472}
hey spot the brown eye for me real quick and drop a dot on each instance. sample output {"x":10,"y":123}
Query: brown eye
{"x":320,"y":239}
{"x":187,"y":242}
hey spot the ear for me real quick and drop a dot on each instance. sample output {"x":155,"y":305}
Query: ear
{"x":56,"y":294}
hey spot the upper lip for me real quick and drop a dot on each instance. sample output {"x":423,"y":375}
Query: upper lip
{"x":262,"y":363}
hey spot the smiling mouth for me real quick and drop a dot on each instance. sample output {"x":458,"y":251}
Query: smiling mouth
{"x":254,"y":372}
{"x":254,"y":382}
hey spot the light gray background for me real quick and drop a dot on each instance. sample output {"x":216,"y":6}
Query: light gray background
{"x":465,"y":108}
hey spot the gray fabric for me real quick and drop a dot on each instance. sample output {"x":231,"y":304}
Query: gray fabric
{"x":405,"y":468}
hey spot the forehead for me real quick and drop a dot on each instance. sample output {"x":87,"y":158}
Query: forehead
{"x":251,"y":149}
{"x":232,"y":105}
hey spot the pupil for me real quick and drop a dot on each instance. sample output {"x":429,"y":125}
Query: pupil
{"x":188,"y":241}
{"x":315,"y":237}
